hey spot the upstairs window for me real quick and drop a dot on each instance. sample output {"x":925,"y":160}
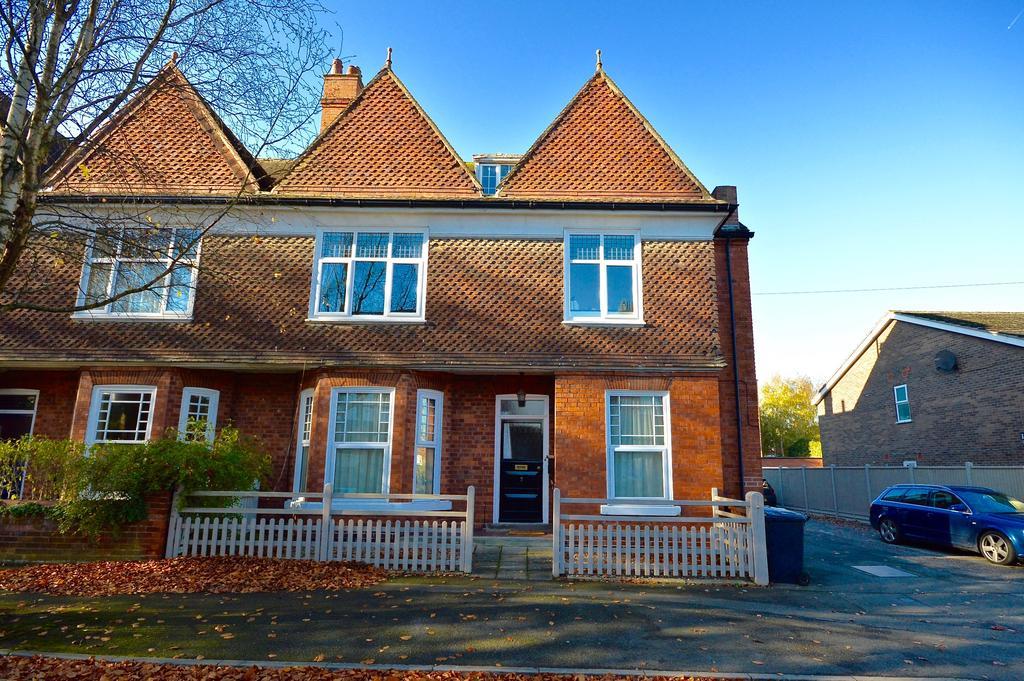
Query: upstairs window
{"x":370,"y":276}
{"x":135,"y":257}
{"x":120,"y":414}
{"x":491,"y":175}
{"x":602,"y":278}
{"x":902,"y":404}
{"x":198,"y":420}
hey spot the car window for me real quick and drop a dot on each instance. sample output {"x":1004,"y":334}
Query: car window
{"x":894,"y":494}
{"x":917,"y":496}
{"x":943,"y":499}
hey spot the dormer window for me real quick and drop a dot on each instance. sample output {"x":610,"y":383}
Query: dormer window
{"x":491,"y":169}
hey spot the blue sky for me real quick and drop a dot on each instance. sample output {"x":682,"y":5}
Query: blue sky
{"x":874,"y":144}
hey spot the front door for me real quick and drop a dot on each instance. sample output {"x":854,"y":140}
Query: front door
{"x":521,"y":471}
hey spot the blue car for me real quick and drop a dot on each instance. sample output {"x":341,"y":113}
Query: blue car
{"x":974,"y":519}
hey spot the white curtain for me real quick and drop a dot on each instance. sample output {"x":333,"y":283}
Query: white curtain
{"x":359,"y":470}
{"x":639,"y":474}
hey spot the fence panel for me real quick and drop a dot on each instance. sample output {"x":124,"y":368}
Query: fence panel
{"x":847,"y":491}
{"x":394,"y":538}
{"x":728,"y":544}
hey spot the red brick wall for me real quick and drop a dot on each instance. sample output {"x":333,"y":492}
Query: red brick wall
{"x":580,"y":446}
{"x":36,"y":539}
{"x":56,"y":404}
{"x":747,"y":371}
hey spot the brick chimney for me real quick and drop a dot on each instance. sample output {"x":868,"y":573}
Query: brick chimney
{"x":727,"y":193}
{"x":339,"y":91}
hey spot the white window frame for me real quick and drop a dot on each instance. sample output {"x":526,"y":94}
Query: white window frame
{"x":434,"y":444}
{"x":303,"y":438}
{"x":94,"y":411}
{"x":498,"y":175}
{"x":897,"y":402}
{"x":105,"y":312}
{"x":211,"y":422}
{"x":635,"y":318}
{"x":332,"y":446}
{"x":666,"y":449}
{"x":388,"y":316}
{"x":23,"y":412}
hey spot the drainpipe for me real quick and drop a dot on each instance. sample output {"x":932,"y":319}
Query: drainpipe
{"x":735,"y":358}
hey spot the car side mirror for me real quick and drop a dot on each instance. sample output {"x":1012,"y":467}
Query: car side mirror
{"x":960,"y":508}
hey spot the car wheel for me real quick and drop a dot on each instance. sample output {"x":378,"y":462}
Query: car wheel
{"x":997,"y":548}
{"x":889,"y":531}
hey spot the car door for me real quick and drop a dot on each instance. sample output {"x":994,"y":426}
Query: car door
{"x":913,"y":513}
{"x":954,"y":518}
{"x":938,"y":521}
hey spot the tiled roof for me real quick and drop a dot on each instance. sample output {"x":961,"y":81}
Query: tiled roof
{"x":167,"y":140}
{"x":1007,"y":323}
{"x":382,"y":145}
{"x":490,"y":303}
{"x":600,"y":148}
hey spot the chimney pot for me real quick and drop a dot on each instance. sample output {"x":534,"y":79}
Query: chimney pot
{"x":340,"y":88}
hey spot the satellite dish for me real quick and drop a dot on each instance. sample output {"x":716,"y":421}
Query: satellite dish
{"x":945,"y":361}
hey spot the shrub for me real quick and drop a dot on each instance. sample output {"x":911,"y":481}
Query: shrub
{"x":104,"y":487}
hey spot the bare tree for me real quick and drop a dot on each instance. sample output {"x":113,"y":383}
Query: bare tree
{"x":70,"y":65}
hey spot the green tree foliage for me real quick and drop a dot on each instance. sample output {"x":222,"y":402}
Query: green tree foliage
{"x":101,"y":488}
{"x":789,"y":422}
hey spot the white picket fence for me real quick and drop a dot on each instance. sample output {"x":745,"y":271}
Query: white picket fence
{"x":377,"y":531}
{"x":847,"y":491}
{"x":727,"y":544}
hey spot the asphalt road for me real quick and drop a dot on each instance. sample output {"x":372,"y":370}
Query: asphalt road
{"x":956,"y":616}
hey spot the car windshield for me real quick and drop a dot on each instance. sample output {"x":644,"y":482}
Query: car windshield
{"x":992,"y":502}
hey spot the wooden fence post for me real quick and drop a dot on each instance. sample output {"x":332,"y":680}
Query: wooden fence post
{"x":556,"y":528}
{"x":755,"y":511}
{"x":467,"y":540}
{"x":714,"y":497}
{"x":835,"y":497}
{"x":325,"y":524}
{"x":171,"y":546}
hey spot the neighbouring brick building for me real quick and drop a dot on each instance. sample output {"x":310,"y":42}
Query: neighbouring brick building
{"x":939,"y":388}
{"x":388,"y":318}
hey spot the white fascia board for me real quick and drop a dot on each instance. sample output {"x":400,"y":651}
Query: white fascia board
{"x":1015,"y":341}
{"x":442,"y":223}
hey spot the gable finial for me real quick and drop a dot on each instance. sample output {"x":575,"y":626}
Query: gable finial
{"x":174,"y":57}
{"x":600,"y":65}
{"x":387,"y":64}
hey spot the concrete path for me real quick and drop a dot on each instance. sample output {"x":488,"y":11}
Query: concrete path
{"x":512,"y":558}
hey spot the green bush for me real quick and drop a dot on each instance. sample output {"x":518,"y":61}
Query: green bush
{"x":104,"y":487}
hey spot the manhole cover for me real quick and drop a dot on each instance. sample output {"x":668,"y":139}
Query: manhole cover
{"x":882,"y":571}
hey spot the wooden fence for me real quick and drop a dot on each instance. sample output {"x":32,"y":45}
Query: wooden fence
{"x":727,"y":544}
{"x":389,"y":531}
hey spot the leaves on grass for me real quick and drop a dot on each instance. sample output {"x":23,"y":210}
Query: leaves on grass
{"x":227,"y":574}
{"x":25,"y":668}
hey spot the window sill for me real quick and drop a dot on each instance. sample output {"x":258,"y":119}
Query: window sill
{"x":604,"y":322}
{"x":365,"y":320}
{"x":111,"y":317}
{"x":668,"y":510}
{"x":904,"y":421}
{"x":371,"y":505}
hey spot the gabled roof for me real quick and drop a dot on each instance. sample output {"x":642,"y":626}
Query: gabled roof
{"x":600,"y":148}
{"x":382,"y":145}
{"x":1000,"y":327}
{"x":167,"y":140}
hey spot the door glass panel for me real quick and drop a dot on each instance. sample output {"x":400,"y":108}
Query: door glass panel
{"x":522,"y":440}
{"x":942,"y":499}
{"x":916,"y":496}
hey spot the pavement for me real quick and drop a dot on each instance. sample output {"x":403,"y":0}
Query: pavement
{"x":953,"y":616}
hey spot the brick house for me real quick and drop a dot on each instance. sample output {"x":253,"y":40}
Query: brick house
{"x":382,"y":322}
{"x":939,"y":388}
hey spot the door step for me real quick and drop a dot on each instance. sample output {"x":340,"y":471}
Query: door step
{"x":516,"y":529}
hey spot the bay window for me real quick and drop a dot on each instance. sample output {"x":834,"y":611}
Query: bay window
{"x":359,"y":452}
{"x":602,"y":278}
{"x":427,"y":454}
{"x":639,"y":454}
{"x":370,"y":275}
{"x":198,"y":419}
{"x":128,"y":258}
{"x":120,"y":414}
